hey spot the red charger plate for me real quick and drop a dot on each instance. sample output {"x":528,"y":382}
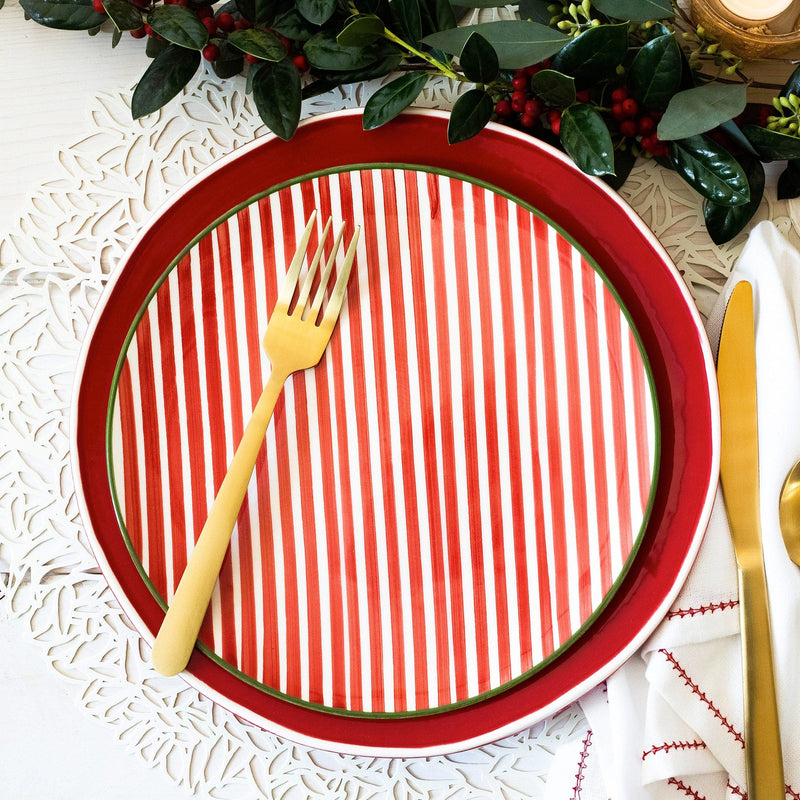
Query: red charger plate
{"x":665,"y":323}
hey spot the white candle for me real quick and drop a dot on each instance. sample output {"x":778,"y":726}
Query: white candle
{"x":779,"y":15}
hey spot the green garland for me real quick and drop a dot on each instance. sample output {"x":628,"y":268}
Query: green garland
{"x":607,"y":81}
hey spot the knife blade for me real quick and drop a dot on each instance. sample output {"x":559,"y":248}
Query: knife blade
{"x":739,"y":474}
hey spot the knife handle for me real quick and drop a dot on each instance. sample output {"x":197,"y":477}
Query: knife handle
{"x":763,"y":755}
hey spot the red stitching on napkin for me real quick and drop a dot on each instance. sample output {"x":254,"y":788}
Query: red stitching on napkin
{"x":667,"y":746}
{"x":708,"y":609}
{"x":687,"y":790}
{"x":702,"y":695}
{"x":579,"y":775}
{"x":737,"y":791}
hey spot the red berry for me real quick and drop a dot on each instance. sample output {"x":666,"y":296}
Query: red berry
{"x":211,"y":25}
{"x":630,"y":108}
{"x":211,"y":52}
{"x":225,"y":22}
{"x":520,"y":82}
{"x":618,"y":95}
{"x":98,"y":6}
{"x":582,"y":95}
{"x":518,"y":100}
{"x":301,"y":63}
{"x":204,"y":12}
{"x":627,"y":127}
{"x":554,"y":118}
{"x":556,"y":126}
{"x":285,"y":41}
{"x":139,"y":33}
{"x":645,"y":126}
{"x":534,"y":107}
{"x":617,"y":112}
{"x":528,"y":120}
{"x":148,"y":30}
{"x":251,"y":59}
{"x":242,"y":24}
{"x":503,"y":108}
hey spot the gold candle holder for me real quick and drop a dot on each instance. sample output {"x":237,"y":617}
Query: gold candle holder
{"x":750,"y":43}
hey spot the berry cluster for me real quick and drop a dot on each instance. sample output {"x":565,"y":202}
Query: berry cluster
{"x":524,"y":103}
{"x":633,"y":122}
{"x":218,"y":25}
{"x":524,"y":108}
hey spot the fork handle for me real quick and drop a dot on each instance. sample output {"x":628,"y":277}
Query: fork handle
{"x":176,"y":638}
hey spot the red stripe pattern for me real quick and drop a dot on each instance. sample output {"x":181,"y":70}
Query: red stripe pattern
{"x":439,"y":505}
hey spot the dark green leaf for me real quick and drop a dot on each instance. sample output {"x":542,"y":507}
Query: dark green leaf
{"x":179,"y":26}
{"x":126,"y":17}
{"x":276,"y":91}
{"x":293,"y":25}
{"x":155,"y":46}
{"x":711,"y":170}
{"x":251,"y":75}
{"x":69,"y":15}
{"x":771,"y":145}
{"x":479,"y":60}
{"x":516,"y":42}
{"x":655,"y":30}
{"x":471,"y":111}
{"x":94,"y":31}
{"x":316,"y":11}
{"x":792,"y":85}
{"x":585,"y":137}
{"x":323,"y":51}
{"x":655,"y":73}
{"x":259,"y":12}
{"x":327,"y":80}
{"x":361,"y":32}
{"x":116,"y":37}
{"x":2,"y":3}
{"x":725,"y":222}
{"x":701,"y":109}
{"x":624,"y":161}
{"x":535,"y":11}
{"x":169,"y":72}
{"x":735,"y":133}
{"x":635,"y":10}
{"x":480,"y":3}
{"x":554,"y":87}
{"x":789,"y":181}
{"x":410,"y":18}
{"x":230,"y":61}
{"x":595,"y":53}
{"x":263,"y":44}
{"x":392,"y":98}
{"x":437,"y":15}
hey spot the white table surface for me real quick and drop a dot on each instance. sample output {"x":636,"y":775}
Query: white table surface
{"x":49,"y":746}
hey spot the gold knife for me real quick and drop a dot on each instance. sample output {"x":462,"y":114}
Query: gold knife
{"x":736,"y":375}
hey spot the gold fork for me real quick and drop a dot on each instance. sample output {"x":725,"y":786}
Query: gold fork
{"x":293,"y":341}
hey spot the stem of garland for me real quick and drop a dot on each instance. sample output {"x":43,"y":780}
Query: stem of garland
{"x":428,"y":59}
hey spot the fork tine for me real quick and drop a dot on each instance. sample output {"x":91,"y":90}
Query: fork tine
{"x":290,"y":281}
{"x":340,"y":288}
{"x":306,"y":290}
{"x":326,"y":274}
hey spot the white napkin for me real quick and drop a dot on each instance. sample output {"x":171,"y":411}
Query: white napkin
{"x":669,"y":723}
